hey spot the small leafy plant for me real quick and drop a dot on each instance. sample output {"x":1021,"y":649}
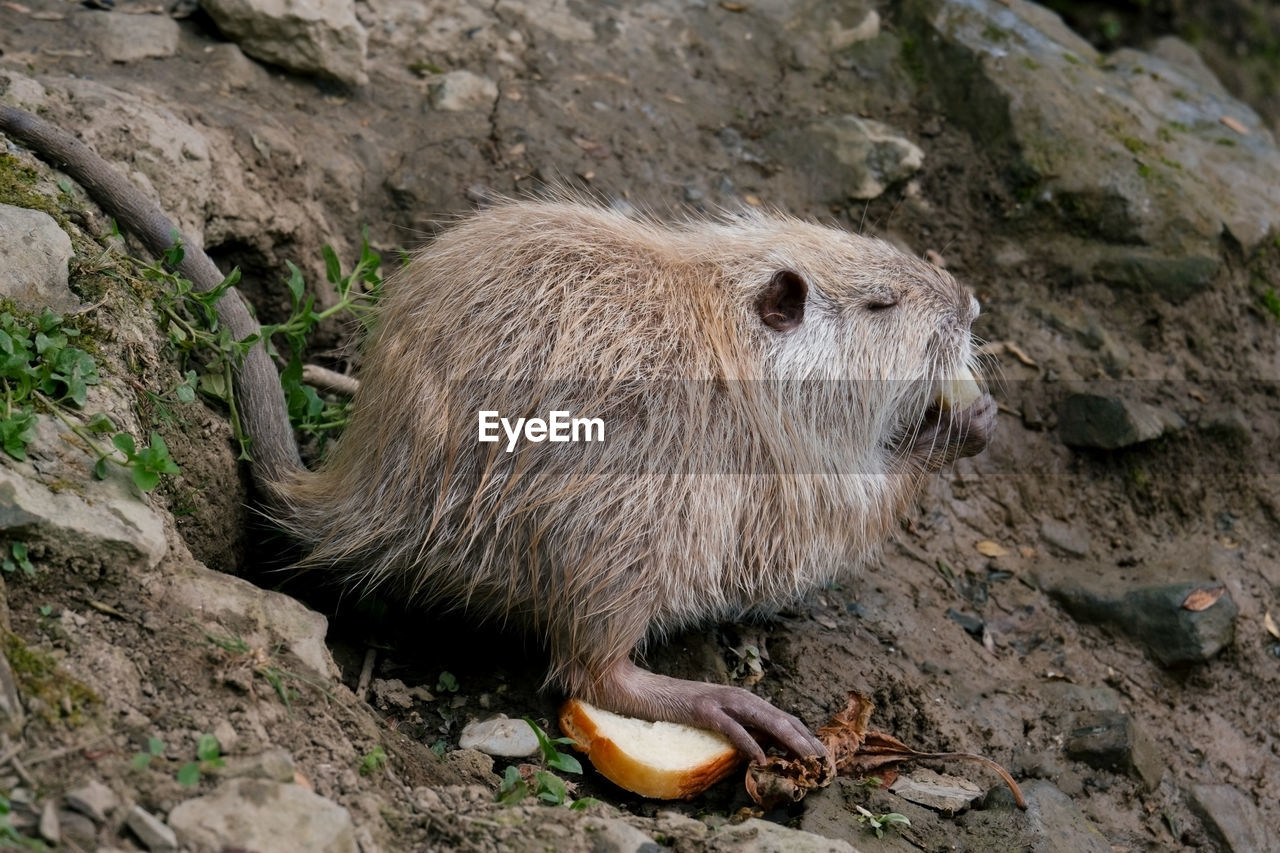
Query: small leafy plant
{"x":17,"y":559}
{"x":519,"y":782}
{"x":155,"y":749}
{"x":373,"y":761}
{"x":447,"y":683}
{"x":208,"y":757}
{"x":878,"y":822}
{"x":41,"y":369}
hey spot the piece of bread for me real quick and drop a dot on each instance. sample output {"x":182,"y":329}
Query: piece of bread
{"x":664,"y":761}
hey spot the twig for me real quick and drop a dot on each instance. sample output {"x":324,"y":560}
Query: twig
{"x":330,"y":380}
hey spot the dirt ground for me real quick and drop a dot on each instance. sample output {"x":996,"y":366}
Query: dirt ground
{"x":960,"y":650}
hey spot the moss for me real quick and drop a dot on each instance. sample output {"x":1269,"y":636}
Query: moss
{"x":1071,"y":58}
{"x":38,"y":676}
{"x":1144,"y":170}
{"x":17,"y":183}
{"x":1137,"y":146}
{"x":1031,"y":63}
{"x":912,"y":59}
{"x":1222,"y":140}
{"x":995,"y":34}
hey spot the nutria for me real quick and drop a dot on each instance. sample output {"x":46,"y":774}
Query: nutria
{"x":772,"y":392}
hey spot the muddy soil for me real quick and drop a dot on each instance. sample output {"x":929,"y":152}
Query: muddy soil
{"x":960,"y":650}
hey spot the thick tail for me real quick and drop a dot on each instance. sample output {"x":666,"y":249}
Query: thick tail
{"x":264,"y":415}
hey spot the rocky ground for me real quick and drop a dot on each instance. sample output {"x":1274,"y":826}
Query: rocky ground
{"x":1093,"y":602}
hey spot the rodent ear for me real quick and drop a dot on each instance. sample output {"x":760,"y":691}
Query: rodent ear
{"x":781,"y":305}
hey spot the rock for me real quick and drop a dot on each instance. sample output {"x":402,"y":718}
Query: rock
{"x":1109,"y":423}
{"x":947,"y":794}
{"x":261,"y":617}
{"x":227,"y":64}
{"x":472,"y":765}
{"x":1052,"y":822}
{"x":500,"y":736}
{"x":616,"y":836}
{"x":1232,"y":818}
{"x":1231,"y":427}
{"x":154,"y":833}
{"x":762,"y":836}
{"x":34,"y":254}
{"x":1088,"y":331}
{"x":1128,"y":150}
{"x":461,"y":91}
{"x":228,"y":738}
{"x":859,"y":157}
{"x":93,"y":799}
{"x":129,"y":38}
{"x":77,"y":831}
{"x":255,"y":814}
{"x":1065,"y":537}
{"x":1111,"y":740}
{"x":274,"y":764}
{"x":1146,"y":606}
{"x":317,"y":37}
{"x":551,"y":16}
{"x":50,"y":827}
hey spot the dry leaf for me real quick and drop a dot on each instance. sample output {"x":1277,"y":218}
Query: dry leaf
{"x":988,"y":548}
{"x":17,"y":7}
{"x":1197,"y":396}
{"x":592,"y":148}
{"x":675,"y":99}
{"x":1270,"y":624}
{"x":1235,"y":125}
{"x":733,"y":7}
{"x":1203,"y":598}
{"x":754,"y":201}
{"x":1017,"y":352}
{"x":852,"y":751}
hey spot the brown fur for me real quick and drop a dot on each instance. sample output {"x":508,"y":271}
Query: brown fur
{"x":592,"y":553}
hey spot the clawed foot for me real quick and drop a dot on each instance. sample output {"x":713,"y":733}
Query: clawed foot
{"x":732,"y":711}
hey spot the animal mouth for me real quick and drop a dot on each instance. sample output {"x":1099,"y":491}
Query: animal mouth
{"x":958,"y":420}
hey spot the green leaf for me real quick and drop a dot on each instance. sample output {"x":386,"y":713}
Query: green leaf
{"x":551,"y":788}
{"x":155,"y":746}
{"x":207,"y":749}
{"x":332,"y":267}
{"x":565,"y":763}
{"x":189,"y":774}
{"x":100,"y":424}
{"x":101,"y":467}
{"x":144,"y":479}
{"x":124,"y":443}
{"x":297,"y":286}
{"x":583,"y":804}
{"x":141,"y":761}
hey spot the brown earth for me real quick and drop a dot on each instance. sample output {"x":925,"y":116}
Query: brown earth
{"x":663,"y":128}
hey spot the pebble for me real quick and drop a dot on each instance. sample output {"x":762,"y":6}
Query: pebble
{"x":93,"y":799}
{"x":154,"y":833}
{"x":501,"y":737}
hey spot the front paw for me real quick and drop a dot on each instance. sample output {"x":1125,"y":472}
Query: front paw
{"x":732,"y":711}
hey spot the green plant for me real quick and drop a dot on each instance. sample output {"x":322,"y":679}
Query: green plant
{"x":155,"y":749}
{"x":39,"y":367}
{"x":208,"y":757}
{"x":878,"y":822}
{"x":17,"y":559}
{"x":260,"y":663}
{"x":525,"y":781}
{"x":552,"y":756}
{"x":10,"y":837}
{"x":1271,"y":302}
{"x":447,"y":683}
{"x":373,"y":760}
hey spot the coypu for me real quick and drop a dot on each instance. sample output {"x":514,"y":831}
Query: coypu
{"x":773,"y":392}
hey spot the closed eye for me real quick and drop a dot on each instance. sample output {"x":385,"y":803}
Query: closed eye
{"x":881,"y":302}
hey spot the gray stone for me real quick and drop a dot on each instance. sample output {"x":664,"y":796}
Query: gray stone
{"x":1231,"y":427}
{"x":106,"y":524}
{"x":1065,"y":537}
{"x":274,"y":764}
{"x":1145,"y":606}
{"x":1232,"y":818}
{"x":77,"y":831}
{"x":500,"y":736}
{"x":859,"y":157}
{"x":1052,"y":822}
{"x":551,"y":16}
{"x":762,"y":836}
{"x":255,"y":814}
{"x":34,"y":254}
{"x":274,"y":617}
{"x":50,"y":827}
{"x":1111,"y":740}
{"x":462,"y":91}
{"x":317,"y":37}
{"x":151,"y":830}
{"x":1128,"y":150}
{"x":129,"y":38}
{"x":616,"y":836}
{"x":946,"y":794}
{"x":1109,"y":423}
{"x":93,"y":799}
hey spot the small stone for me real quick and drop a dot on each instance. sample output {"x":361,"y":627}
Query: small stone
{"x":946,"y":794}
{"x":320,"y":37}
{"x":1232,"y":818}
{"x":227,"y":737}
{"x":50,"y":827}
{"x":129,"y":38}
{"x":616,"y":836}
{"x":500,"y":736}
{"x":1230,"y":427}
{"x":154,"y":833}
{"x":1073,"y":540}
{"x":859,"y":157}
{"x":34,"y":254}
{"x":1109,"y":423}
{"x":472,"y":765}
{"x":762,"y":836}
{"x":460,"y":91}
{"x":275,"y":764}
{"x":1111,"y":740}
{"x":77,"y":830}
{"x":93,"y":799}
{"x":1052,"y":821}
{"x":256,"y":814}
